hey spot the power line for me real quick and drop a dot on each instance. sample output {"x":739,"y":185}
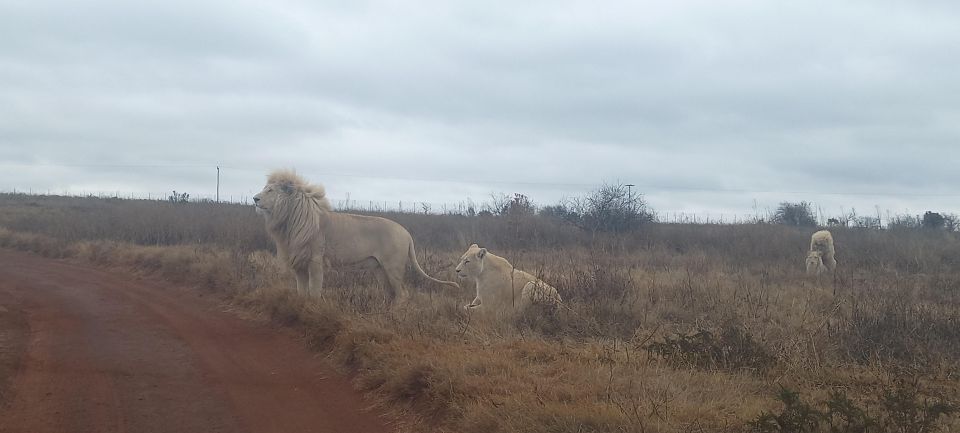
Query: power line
{"x":656,"y":187}
{"x":649,"y":186}
{"x":95,"y":165}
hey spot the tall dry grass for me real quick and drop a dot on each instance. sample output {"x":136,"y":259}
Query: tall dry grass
{"x":671,"y":328}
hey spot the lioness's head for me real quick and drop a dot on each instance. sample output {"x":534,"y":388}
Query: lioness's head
{"x":283,"y":188}
{"x":814,"y":263}
{"x":471,"y":263}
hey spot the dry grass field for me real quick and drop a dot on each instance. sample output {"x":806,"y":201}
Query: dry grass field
{"x":669,"y":328}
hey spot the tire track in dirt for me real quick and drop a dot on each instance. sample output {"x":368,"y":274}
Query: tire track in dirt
{"x":13,"y":342}
{"x":106,"y":352}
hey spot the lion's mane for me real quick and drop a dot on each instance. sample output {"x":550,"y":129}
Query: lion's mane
{"x":296,"y":220}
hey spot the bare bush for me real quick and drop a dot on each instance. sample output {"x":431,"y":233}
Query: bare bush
{"x":795,"y":214}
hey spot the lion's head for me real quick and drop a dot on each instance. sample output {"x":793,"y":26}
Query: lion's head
{"x":814,"y":262}
{"x":285,"y":192}
{"x":293,"y":210}
{"x":471,"y":263}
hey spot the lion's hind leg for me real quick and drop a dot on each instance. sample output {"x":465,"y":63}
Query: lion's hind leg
{"x":831,"y":263}
{"x":393,"y":284}
{"x":527,"y":296}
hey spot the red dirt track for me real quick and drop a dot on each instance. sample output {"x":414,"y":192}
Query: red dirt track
{"x":104,"y":352}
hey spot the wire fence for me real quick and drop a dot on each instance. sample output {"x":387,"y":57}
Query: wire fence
{"x":465,"y":208}
{"x":876,"y":218}
{"x":823,"y":216}
{"x":127,"y":195}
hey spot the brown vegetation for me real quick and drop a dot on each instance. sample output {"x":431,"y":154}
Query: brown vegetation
{"x":669,"y":328}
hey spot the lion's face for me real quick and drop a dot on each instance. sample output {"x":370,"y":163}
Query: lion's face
{"x":267,"y":198}
{"x":471,"y":263}
{"x":814,"y":262}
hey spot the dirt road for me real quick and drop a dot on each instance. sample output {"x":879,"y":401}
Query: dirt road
{"x":92,"y":351}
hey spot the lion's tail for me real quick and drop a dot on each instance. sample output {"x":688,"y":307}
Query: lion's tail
{"x":416,"y":265}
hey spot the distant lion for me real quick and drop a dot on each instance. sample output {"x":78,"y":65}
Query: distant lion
{"x":306,"y":230}
{"x":821,"y":256}
{"x":501,"y":284}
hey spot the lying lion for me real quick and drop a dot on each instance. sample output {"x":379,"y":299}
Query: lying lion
{"x":501,"y":283}
{"x":306,"y":230}
{"x":821,"y":258}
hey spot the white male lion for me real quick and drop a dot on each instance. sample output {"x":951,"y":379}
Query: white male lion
{"x":300,"y":220}
{"x":501,"y":283}
{"x":820,"y":258}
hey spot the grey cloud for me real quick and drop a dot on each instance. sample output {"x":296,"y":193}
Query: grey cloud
{"x":753,"y":101}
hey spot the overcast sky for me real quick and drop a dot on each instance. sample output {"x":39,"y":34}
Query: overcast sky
{"x":708,"y":106}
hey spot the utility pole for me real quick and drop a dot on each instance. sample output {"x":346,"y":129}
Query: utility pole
{"x":218,"y":184}
{"x":630,"y":189}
